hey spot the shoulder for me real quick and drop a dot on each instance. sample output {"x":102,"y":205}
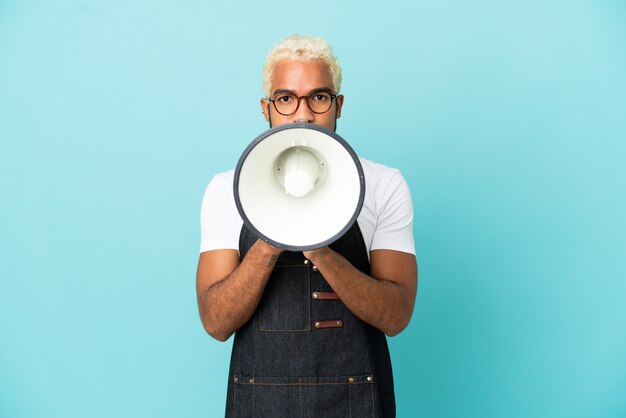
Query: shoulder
{"x":221,"y":183}
{"x":225,"y":178}
{"x":376,"y":171}
{"x":219,"y":193}
{"x":379,"y":177}
{"x":386,"y":218}
{"x":219,"y":220}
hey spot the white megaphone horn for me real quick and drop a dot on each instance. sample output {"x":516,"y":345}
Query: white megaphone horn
{"x":299,"y":186}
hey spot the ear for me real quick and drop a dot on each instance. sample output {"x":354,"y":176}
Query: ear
{"x":265,"y":108}
{"x":339,"y":103}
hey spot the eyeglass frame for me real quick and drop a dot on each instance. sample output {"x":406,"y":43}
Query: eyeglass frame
{"x":317,"y":91}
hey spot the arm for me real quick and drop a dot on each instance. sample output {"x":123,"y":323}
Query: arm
{"x":229,"y":291}
{"x":385,"y":299}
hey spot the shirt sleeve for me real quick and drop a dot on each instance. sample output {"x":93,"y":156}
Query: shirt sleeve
{"x":394,"y":226}
{"x":218,"y":225}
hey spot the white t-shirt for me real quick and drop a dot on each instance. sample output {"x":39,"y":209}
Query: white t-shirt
{"x":386,"y":219}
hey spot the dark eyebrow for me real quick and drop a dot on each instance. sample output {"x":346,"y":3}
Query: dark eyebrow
{"x":321,"y":90}
{"x":283,"y":91}
{"x":317,"y":90}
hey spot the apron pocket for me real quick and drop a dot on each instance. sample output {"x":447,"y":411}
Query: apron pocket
{"x":329,"y":397}
{"x":286,"y":303}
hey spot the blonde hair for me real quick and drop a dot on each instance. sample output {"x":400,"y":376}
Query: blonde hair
{"x":301,"y":48}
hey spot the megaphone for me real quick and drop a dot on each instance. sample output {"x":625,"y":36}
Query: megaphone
{"x":299,"y":186}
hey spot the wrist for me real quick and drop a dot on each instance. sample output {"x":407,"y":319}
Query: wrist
{"x":267,"y":249}
{"x":317,"y":255}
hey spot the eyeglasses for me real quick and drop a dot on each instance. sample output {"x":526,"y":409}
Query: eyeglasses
{"x":287,"y":104}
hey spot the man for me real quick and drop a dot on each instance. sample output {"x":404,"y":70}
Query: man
{"x":310,"y":326}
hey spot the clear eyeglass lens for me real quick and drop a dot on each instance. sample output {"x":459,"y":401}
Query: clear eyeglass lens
{"x":286,"y":103}
{"x":319,"y":102}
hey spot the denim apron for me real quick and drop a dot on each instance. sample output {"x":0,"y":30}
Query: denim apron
{"x":303,"y":353}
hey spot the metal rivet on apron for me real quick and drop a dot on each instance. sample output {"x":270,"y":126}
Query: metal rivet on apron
{"x":315,"y":295}
{"x":317,"y":324}
{"x":314,"y":268}
{"x":339,"y":323}
{"x":351,"y":379}
{"x":251,"y":380}
{"x":306,"y":262}
{"x":369,"y":378}
{"x":236,"y":379}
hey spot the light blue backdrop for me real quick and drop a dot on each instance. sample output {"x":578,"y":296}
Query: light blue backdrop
{"x":506,"y":118}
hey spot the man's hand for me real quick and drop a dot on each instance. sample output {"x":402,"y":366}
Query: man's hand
{"x":385,"y":299}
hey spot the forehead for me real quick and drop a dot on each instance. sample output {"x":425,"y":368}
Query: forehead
{"x":301,"y":76}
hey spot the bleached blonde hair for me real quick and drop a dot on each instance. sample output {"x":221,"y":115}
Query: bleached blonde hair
{"x":301,"y":48}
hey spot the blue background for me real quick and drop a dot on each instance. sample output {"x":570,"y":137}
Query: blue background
{"x":506,"y":118}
